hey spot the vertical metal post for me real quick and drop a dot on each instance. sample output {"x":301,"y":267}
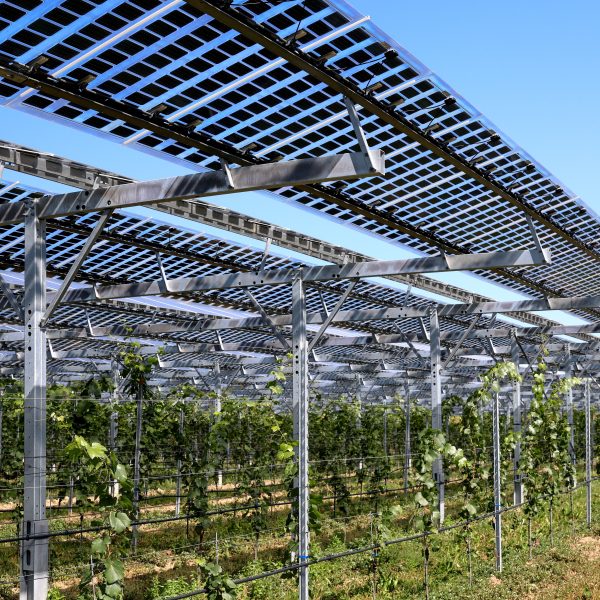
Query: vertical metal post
{"x":569,"y":401}
{"x":34,"y":552}
{"x":300,"y":415}
{"x":178,"y":483}
{"x":219,"y":389}
{"x":588,"y":453}
{"x":136,"y":468}
{"x":406,"y":437}
{"x":516,"y":417}
{"x":436,"y":401}
{"x":497,"y":481}
{"x":385,"y":428}
{"x":112,"y":446}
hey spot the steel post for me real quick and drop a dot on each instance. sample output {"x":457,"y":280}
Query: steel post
{"x":34,"y":552}
{"x":136,"y":468}
{"x":497,"y":481}
{"x":588,"y":454}
{"x":569,"y":402}
{"x":436,"y":401}
{"x":406,"y":437}
{"x":219,"y":390}
{"x":300,"y":414}
{"x":516,"y":417}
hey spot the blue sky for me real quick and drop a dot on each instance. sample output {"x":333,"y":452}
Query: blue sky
{"x":528,"y":66}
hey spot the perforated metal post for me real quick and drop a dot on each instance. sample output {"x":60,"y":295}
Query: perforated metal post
{"x":497,"y":481}
{"x":588,"y":453}
{"x":34,"y":552}
{"x":219,"y":390}
{"x":300,"y":415}
{"x":516,"y":416}
{"x":436,"y":401}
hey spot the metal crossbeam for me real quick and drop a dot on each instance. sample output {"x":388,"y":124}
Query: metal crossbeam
{"x":54,"y":168}
{"x":434,"y":264}
{"x":336,"y":167}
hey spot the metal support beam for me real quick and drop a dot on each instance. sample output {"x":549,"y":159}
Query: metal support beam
{"x":569,"y":402}
{"x":300,"y":416}
{"x":331,"y":316}
{"x":497,"y":481}
{"x":64,"y":170}
{"x":79,"y":260}
{"x":12,"y":299}
{"x":436,"y":402}
{"x":516,"y":418}
{"x":136,"y":467}
{"x":34,"y":552}
{"x":267,"y":319}
{"x":433,"y":264}
{"x":588,"y":453}
{"x":407,"y":448}
{"x":266,"y":176}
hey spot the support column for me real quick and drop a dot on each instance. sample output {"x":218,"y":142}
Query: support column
{"x":516,"y":417}
{"x":300,"y":414}
{"x":178,"y":483}
{"x":406,"y":437}
{"x":497,"y":482}
{"x":136,"y":469}
{"x":436,"y":402}
{"x":569,"y":401}
{"x":34,"y":552}
{"x":588,"y":453}
{"x":217,"y":371}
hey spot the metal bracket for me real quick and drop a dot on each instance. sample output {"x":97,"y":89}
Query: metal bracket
{"x":332,"y":314}
{"x":267,"y":318}
{"x":163,"y":273}
{"x":228,"y":175}
{"x":265,"y":254}
{"x":534,"y":234}
{"x":12,"y":299}
{"x":359,"y":132}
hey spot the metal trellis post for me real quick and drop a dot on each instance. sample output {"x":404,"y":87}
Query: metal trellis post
{"x":136,"y":468}
{"x":569,"y":401}
{"x":516,"y":416}
{"x":436,"y":401}
{"x":406,"y":438}
{"x":497,"y":482}
{"x":178,"y":484}
{"x":300,"y":414}
{"x":588,"y":454}
{"x":34,"y":552}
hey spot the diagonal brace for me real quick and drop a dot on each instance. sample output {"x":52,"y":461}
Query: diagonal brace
{"x":70,"y":276}
{"x":10,"y":296}
{"x":268,"y":320}
{"x":332,"y":314}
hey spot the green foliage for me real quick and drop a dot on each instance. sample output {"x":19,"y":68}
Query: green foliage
{"x":545,"y":456}
{"x":171,"y":587}
{"x":97,"y":473}
{"x":218,"y":584}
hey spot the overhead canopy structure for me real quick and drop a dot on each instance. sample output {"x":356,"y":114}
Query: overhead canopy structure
{"x":199,"y":82}
{"x":310,"y":100}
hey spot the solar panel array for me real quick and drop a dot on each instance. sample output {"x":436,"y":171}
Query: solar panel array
{"x":183,"y":67}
